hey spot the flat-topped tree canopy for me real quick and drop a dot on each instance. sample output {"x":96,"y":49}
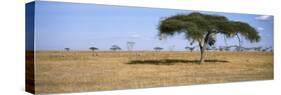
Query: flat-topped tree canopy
{"x":196,"y":25}
{"x":115,"y":47}
{"x":202,"y":28}
{"x":157,"y":48}
{"x":93,"y":48}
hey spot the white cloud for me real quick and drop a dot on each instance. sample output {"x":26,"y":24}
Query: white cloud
{"x":237,"y":20}
{"x":260,"y":29}
{"x":263,"y":17}
{"x":134,"y":36}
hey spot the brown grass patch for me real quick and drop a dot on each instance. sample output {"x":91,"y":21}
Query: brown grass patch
{"x":81,"y":71}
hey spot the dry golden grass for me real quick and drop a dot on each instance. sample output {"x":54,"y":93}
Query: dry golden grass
{"x":81,"y":71}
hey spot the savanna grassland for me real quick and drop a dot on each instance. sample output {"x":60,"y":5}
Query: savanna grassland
{"x":75,"y":71}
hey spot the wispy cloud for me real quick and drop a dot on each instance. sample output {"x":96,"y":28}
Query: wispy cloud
{"x":263,"y":18}
{"x":260,"y":28}
{"x":134,"y":36}
{"x":237,"y":20}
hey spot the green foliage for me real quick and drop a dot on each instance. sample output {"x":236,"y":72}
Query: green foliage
{"x":202,"y":28}
{"x":196,"y":26}
{"x":247,"y":31}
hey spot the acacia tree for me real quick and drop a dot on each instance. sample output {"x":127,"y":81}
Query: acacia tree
{"x":115,"y":48}
{"x":94,"y":49}
{"x":67,"y":49}
{"x":158,"y":48}
{"x":203,"y":28}
{"x":130,"y":45}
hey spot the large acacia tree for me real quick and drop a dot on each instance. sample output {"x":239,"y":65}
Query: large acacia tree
{"x":203,"y":28}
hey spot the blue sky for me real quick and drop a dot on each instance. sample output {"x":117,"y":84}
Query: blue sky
{"x":80,"y":26}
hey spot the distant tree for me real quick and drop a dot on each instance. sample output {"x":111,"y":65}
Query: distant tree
{"x":115,"y":48}
{"x":67,"y":49}
{"x":270,"y":49}
{"x":130,"y":45}
{"x":191,"y":49}
{"x":227,"y":48}
{"x":208,"y":48}
{"x":158,"y":48}
{"x":258,"y":48}
{"x":252,"y":49}
{"x":93,"y":49}
{"x":203,"y":28}
{"x":214,"y":48}
{"x":239,"y":48}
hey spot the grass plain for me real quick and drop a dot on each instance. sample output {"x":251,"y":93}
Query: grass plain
{"x":76,"y":71}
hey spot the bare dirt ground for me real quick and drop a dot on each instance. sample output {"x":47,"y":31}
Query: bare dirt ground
{"x":86,"y":71}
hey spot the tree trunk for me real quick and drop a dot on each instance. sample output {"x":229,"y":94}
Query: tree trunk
{"x":202,"y":50}
{"x":94,"y":53}
{"x":239,"y":43}
{"x":203,"y":45}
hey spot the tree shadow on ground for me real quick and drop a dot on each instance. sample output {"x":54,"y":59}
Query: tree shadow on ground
{"x":174,"y":61}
